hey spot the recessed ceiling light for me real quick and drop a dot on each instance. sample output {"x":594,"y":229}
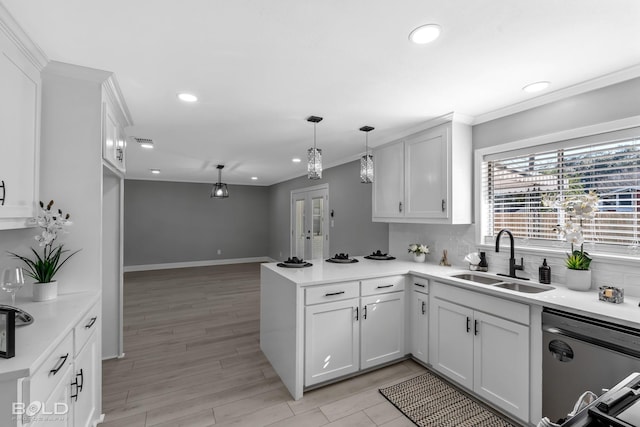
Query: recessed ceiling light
{"x":155,"y":171}
{"x":425,"y":34}
{"x":187,"y":97}
{"x":254,"y":178}
{"x":296,"y":160}
{"x":536,"y":87}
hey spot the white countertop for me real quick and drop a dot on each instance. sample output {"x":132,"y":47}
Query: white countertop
{"x":561,"y":298}
{"x":53,"y":320}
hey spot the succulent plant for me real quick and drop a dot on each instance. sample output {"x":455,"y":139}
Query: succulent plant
{"x":578,"y":260}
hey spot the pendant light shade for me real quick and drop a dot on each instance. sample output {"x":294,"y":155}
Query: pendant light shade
{"x":366,"y":161}
{"x":220,"y":189}
{"x":314,"y":155}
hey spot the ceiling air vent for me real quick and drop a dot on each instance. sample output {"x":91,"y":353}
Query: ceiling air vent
{"x":144,"y":142}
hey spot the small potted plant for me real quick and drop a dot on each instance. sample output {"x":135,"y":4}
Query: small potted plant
{"x":577,"y":208}
{"x":419,"y":251}
{"x":43,"y":267}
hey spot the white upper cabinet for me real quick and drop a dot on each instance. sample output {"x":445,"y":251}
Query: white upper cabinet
{"x":114,"y":121}
{"x":425,"y":177}
{"x":20,"y":89}
{"x":388,"y":184}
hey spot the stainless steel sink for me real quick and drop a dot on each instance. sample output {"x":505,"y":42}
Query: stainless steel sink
{"x":521,"y":287}
{"x":477,"y":278}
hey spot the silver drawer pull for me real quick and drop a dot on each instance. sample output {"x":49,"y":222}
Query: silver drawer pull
{"x":61,"y":363}
{"x":384,"y":286}
{"x":330,"y":294}
{"x":419,"y":284}
{"x":91,"y":322}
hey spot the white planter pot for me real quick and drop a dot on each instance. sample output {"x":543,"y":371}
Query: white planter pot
{"x":45,"y":291}
{"x":578,"y":280}
{"x":419,"y":257}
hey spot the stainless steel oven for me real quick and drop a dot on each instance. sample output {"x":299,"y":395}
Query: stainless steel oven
{"x":581,"y":353}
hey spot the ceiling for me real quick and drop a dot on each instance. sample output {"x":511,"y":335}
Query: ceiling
{"x":260,"y":68}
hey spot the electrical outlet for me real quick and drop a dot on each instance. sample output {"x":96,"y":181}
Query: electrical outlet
{"x":219,"y":251}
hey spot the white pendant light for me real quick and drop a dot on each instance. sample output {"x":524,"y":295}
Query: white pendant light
{"x":314,"y":155}
{"x":366,"y":161}
{"x":220,"y":189}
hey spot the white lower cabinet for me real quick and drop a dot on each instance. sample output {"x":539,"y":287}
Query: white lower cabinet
{"x":485,"y":353}
{"x":57,"y":410}
{"x":84,"y":387}
{"x":332,"y":345}
{"x":382,"y":329}
{"x":346,"y":336}
{"x":419,"y":312}
{"x":65,"y":390}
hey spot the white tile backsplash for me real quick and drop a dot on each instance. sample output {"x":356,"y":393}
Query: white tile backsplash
{"x":460,"y":240}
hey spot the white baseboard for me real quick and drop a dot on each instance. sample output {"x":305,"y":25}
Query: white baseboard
{"x":147,"y":267}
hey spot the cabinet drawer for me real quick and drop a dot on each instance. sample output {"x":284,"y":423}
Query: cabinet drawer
{"x":334,"y":292}
{"x":88,"y":325}
{"x":419,"y":284}
{"x":49,"y":374}
{"x":382,"y":285}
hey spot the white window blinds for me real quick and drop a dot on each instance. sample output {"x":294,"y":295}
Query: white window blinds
{"x":609,"y":164}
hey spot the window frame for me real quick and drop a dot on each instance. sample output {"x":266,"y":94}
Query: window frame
{"x":612,"y":252}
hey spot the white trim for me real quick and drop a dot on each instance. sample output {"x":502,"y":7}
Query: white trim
{"x":169,"y":265}
{"x":614,"y":125}
{"x":21,"y":39}
{"x":577,"y":89}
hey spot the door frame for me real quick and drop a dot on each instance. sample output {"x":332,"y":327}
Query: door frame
{"x":298,"y":191}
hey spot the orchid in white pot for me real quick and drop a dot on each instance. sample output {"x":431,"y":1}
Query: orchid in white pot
{"x":43,"y":267}
{"x":577,"y":209}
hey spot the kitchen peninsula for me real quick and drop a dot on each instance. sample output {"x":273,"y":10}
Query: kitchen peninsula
{"x":330,"y":321}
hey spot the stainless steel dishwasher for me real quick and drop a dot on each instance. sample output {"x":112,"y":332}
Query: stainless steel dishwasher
{"x":581,"y":353}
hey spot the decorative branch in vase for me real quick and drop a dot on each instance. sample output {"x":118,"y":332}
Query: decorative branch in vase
{"x":577,"y":208}
{"x":43,"y":267}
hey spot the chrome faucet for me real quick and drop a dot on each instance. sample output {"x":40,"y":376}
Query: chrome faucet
{"x":512,"y":259}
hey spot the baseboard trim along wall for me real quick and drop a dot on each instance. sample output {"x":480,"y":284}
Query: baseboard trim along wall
{"x":166,"y":266}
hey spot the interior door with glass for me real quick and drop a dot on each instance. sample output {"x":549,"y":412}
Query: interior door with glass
{"x":309,"y":223}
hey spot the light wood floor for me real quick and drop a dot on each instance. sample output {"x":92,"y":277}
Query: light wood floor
{"x":193,"y":359}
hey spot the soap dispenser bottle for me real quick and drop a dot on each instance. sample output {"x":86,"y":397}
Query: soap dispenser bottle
{"x":482,"y":265}
{"x":544,"y":273}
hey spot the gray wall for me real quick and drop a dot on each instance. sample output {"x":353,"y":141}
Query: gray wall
{"x":168,"y":222}
{"x":609,"y":103}
{"x":353,"y":230}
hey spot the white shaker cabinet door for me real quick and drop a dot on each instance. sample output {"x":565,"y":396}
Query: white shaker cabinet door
{"x":501,"y":371}
{"x":426,"y":174}
{"x":388,"y":183}
{"x":451,"y":335}
{"x":86,"y":384}
{"x":382,"y":328}
{"x":331,"y":341}
{"x":19,"y":136}
{"x":420,"y":326}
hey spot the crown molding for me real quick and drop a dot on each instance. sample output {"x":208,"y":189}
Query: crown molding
{"x":577,"y":89}
{"x":15,"y":33}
